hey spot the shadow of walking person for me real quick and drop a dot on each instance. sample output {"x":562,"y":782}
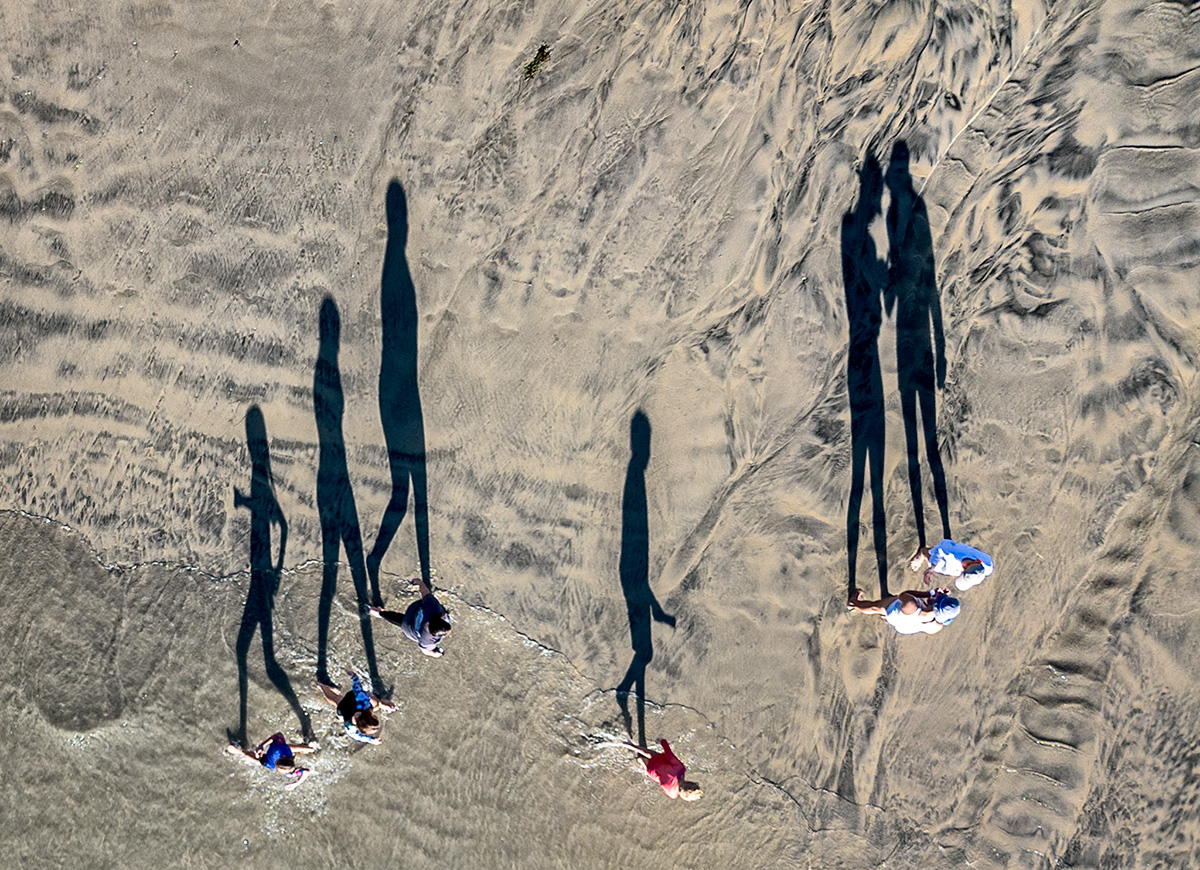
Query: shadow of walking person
{"x":864,"y":275}
{"x":640,"y":603}
{"x":400,"y":395}
{"x":264,"y":576}
{"x":920,"y":344}
{"x":335,"y":499}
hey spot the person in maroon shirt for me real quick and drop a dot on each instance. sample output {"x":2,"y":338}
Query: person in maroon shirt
{"x":668,"y":771}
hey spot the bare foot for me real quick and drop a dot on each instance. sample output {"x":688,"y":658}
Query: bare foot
{"x":854,"y":598}
{"x":918,"y":558}
{"x":376,"y":611}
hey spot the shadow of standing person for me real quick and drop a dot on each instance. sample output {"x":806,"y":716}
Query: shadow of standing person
{"x":863,"y":277}
{"x":400,"y":395}
{"x":335,"y":498}
{"x":912,"y":291}
{"x":264,"y":576}
{"x":640,"y":603}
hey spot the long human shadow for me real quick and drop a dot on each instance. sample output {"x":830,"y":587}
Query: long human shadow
{"x":264,"y":576}
{"x":920,"y":344}
{"x":863,"y":276}
{"x":335,"y":498}
{"x":400,"y":394}
{"x":640,"y":603}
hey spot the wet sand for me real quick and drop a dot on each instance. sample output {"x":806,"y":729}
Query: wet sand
{"x":674,"y":217}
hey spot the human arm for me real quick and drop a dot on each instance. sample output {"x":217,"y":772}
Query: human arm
{"x":297,"y":776}
{"x":921,"y":554}
{"x":242,"y":754}
{"x":863,"y":605}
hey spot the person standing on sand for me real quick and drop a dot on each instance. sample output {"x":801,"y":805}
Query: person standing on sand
{"x":966,"y":566}
{"x":357,"y":708}
{"x":668,"y":771}
{"x":915,"y":611}
{"x":425,"y":621}
{"x":275,"y":753}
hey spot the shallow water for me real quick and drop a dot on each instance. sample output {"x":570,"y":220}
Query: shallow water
{"x":121,"y":683}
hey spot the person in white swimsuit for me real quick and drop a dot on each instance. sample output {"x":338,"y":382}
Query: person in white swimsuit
{"x":915,"y":611}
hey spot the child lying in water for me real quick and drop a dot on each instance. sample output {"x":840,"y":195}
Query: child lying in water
{"x":275,"y":753}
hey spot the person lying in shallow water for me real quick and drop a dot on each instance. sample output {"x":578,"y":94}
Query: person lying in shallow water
{"x":425,"y":621}
{"x":275,"y":753}
{"x":915,"y":611}
{"x":668,"y":771}
{"x":357,"y":708}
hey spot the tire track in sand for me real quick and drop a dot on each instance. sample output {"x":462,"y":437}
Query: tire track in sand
{"x":1039,"y":753}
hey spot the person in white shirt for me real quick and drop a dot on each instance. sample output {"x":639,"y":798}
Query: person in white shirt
{"x":965,"y":565}
{"x":915,"y":611}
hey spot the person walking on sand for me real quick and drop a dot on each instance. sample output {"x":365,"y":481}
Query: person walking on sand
{"x":275,"y":753}
{"x":425,"y":621}
{"x":357,"y":708}
{"x":915,"y":611}
{"x":668,"y":771}
{"x":966,"y":566}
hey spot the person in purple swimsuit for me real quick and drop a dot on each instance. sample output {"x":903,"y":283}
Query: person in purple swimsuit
{"x":275,"y":753}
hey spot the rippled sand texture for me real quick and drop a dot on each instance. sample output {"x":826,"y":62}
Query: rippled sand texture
{"x":652,"y":221}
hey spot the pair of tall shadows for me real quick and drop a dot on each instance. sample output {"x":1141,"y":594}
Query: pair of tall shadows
{"x":640,"y":603}
{"x":400,"y":395}
{"x":908,"y":288}
{"x":335,"y":498}
{"x":921,"y":363}
{"x":264,"y":576}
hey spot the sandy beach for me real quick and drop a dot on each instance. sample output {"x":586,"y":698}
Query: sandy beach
{"x":645,"y":350}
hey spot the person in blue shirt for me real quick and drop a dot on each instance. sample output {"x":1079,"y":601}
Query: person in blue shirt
{"x":275,"y":753}
{"x":357,"y":708}
{"x":425,"y":621}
